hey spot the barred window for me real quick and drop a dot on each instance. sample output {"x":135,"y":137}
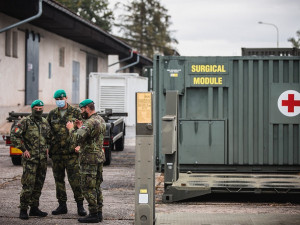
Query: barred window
{"x":15,"y":44}
{"x":8,"y":43}
{"x":11,"y":43}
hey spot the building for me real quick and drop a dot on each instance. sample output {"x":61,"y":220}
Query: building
{"x":270,"y":52}
{"x":55,"y":50}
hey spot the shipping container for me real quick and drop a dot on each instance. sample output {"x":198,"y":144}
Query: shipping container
{"x":232,"y":115}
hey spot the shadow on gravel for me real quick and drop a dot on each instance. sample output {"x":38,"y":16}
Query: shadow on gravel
{"x":251,"y":198}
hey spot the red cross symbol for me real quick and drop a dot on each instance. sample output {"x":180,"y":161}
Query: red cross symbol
{"x":291,"y":102}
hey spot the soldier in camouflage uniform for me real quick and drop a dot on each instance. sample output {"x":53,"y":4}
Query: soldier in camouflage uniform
{"x":63,"y":155}
{"x":32,"y":136}
{"x":90,"y":135}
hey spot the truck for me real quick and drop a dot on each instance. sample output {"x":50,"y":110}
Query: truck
{"x":114,"y":137}
{"x":116,"y":91}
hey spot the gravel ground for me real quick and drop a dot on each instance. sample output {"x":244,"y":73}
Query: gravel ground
{"x":118,"y":190}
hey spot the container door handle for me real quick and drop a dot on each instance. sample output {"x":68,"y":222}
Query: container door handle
{"x":209,"y":133}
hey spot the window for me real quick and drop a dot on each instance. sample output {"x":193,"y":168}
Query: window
{"x":11,"y":43}
{"x":15,"y":44}
{"x":62,"y":57}
{"x":49,"y":71}
{"x":8,"y":43}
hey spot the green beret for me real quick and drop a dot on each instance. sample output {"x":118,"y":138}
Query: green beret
{"x":85,"y":102}
{"x":37,"y":103}
{"x":60,"y":93}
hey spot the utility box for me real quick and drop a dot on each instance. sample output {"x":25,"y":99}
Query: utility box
{"x":169,"y":135}
{"x":116,"y":91}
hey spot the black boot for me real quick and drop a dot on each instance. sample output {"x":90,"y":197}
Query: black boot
{"x":91,"y":218}
{"x":23,"y":214}
{"x":80,"y":209}
{"x":100,"y":218}
{"x":61,"y":209}
{"x":34,"y":211}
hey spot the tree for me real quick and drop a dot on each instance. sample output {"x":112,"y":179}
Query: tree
{"x":145,"y":26}
{"x":96,"y":11}
{"x":295,"y":43}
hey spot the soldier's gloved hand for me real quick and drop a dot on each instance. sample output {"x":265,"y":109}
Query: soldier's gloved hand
{"x":26,"y":154}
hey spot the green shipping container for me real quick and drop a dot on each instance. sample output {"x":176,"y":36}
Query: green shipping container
{"x":234,"y":113}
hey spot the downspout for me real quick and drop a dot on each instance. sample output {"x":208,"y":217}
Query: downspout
{"x":26,"y":20}
{"x":130,"y":65}
{"x":123,"y":60}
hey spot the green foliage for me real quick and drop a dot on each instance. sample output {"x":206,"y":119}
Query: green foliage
{"x":145,"y":26}
{"x":96,"y":11}
{"x":295,"y":43}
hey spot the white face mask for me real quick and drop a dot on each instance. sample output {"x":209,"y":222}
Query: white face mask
{"x":60,"y":103}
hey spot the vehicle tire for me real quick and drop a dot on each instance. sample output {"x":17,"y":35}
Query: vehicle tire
{"x":107,"y":156}
{"x":16,"y":160}
{"x":119,"y":144}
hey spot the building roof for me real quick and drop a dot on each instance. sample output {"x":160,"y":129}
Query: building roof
{"x":63,"y":22}
{"x":271,"y":51}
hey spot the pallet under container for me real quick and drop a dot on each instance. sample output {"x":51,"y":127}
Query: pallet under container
{"x":227,"y":124}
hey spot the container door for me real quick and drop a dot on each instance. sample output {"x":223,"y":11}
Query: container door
{"x":201,"y":142}
{"x":75,"y":83}
{"x":32,"y":67}
{"x":91,"y":67}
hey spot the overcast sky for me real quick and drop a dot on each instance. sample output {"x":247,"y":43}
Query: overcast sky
{"x":223,"y":27}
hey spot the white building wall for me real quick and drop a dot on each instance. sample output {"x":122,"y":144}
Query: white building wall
{"x":112,"y":69}
{"x":113,"y":59}
{"x":12,"y":70}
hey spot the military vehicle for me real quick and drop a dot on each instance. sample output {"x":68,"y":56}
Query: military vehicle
{"x":113,"y":140}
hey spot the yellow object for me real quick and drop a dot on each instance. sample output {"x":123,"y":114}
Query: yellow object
{"x":15,"y":151}
{"x":143,"y":191}
{"x":144,"y":107}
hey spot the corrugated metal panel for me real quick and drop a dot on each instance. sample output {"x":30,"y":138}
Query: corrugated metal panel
{"x":112,"y":97}
{"x":258,"y":140}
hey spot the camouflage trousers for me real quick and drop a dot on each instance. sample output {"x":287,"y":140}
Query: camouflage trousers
{"x":91,"y":179}
{"x":68,"y":163}
{"x":32,"y":180}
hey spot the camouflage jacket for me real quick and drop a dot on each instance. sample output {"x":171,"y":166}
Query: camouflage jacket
{"x":32,"y":135}
{"x":90,"y":138}
{"x":61,"y":143}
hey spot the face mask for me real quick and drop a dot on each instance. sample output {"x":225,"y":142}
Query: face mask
{"x":37,"y":114}
{"x":60,"y":103}
{"x":84,"y":115}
